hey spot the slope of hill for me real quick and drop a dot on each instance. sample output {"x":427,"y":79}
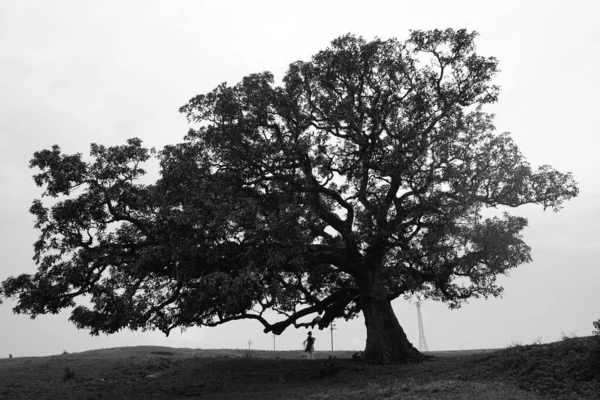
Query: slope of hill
{"x":569,"y":369}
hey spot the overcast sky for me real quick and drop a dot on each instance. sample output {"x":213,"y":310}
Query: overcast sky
{"x":77,"y":72}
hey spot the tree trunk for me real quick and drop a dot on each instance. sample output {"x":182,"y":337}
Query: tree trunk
{"x":386,"y":340}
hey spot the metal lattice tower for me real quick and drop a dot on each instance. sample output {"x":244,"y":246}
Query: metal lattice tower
{"x":422,"y":341}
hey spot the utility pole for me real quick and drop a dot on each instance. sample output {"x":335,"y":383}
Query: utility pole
{"x":332,"y":328}
{"x":273,"y":341}
{"x":249,"y":343}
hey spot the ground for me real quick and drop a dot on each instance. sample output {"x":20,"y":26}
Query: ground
{"x":569,"y":369}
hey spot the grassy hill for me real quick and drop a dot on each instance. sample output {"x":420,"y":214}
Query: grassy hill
{"x":569,"y":369}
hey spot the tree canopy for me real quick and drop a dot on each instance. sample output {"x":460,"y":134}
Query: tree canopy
{"x":361,"y":178}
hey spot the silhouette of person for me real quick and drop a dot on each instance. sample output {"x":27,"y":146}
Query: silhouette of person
{"x":309,"y":346}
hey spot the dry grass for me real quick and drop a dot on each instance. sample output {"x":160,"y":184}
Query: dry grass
{"x":442,"y":389}
{"x":569,"y":369}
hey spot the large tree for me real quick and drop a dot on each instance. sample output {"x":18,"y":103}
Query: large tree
{"x":360,"y":179}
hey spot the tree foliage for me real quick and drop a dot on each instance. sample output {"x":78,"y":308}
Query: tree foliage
{"x":363,"y":175}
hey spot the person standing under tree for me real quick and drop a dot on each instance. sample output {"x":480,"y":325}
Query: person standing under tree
{"x":309,"y":346}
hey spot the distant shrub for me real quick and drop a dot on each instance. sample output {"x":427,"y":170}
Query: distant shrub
{"x":596,"y":327}
{"x":564,"y":336}
{"x":331,"y":366}
{"x":68,"y":374}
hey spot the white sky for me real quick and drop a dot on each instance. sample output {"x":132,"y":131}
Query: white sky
{"x":76,"y":72}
